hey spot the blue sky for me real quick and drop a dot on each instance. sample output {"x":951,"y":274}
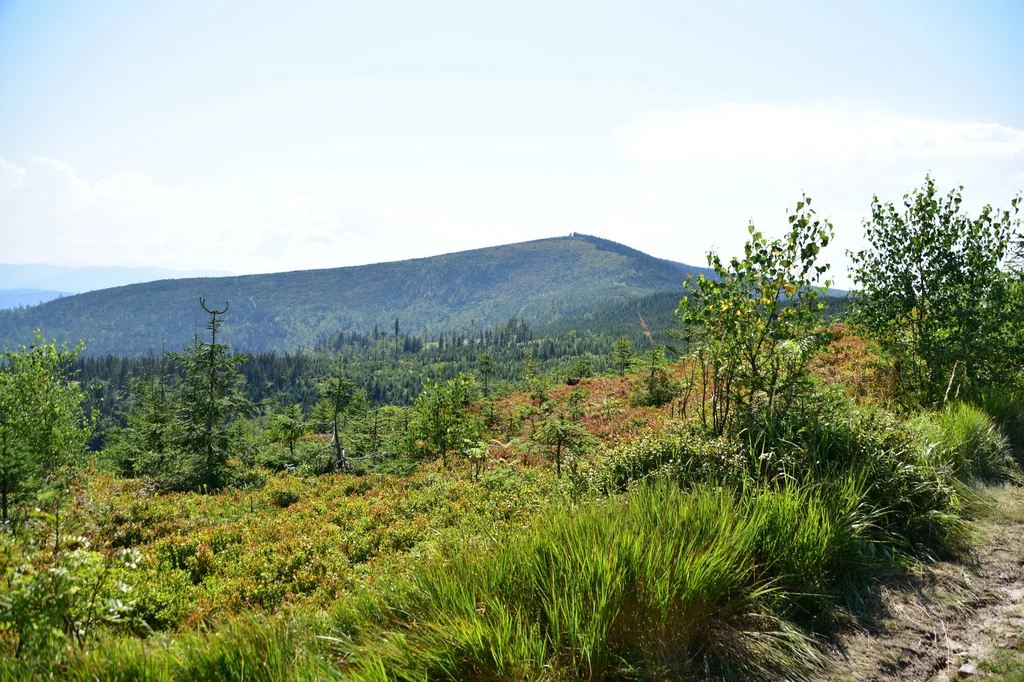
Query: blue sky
{"x":253,"y":136}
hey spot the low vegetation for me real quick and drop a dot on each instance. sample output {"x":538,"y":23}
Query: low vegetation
{"x":719,"y":508}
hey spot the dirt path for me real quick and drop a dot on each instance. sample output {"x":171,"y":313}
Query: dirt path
{"x":940,"y":623}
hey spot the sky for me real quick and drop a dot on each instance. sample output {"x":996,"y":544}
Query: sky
{"x":269,"y":136}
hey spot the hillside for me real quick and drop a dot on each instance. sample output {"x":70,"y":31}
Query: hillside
{"x":538,"y":280}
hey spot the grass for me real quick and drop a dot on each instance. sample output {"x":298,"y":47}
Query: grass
{"x":251,"y":649}
{"x":967,"y":442}
{"x":657,"y":584}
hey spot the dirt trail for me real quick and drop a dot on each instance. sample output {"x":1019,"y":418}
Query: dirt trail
{"x":940,"y":622}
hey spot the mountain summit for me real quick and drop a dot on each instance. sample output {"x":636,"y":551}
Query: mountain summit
{"x":535,"y":280}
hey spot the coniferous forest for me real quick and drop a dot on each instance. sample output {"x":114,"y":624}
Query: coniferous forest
{"x":718,"y":482}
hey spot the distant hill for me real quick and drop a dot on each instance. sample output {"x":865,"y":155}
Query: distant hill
{"x":15,"y":298}
{"x":539,"y":280}
{"x":90,"y":278}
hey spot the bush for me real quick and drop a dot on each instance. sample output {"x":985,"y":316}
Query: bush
{"x":284,"y":498}
{"x":935,"y":294}
{"x":751,"y":327}
{"x":915,"y":505}
{"x":655,"y":387}
{"x":53,"y":599}
{"x":678,"y":453}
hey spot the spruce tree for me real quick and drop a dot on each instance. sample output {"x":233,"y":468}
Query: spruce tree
{"x":397,"y":329}
{"x":485,"y":366}
{"x":622,"y":355}
{"x":209,"y":398}
{"x":288,"y":426}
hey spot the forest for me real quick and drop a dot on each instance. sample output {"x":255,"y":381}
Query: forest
{"x":453,"y":293}
{"x":720,"y":482}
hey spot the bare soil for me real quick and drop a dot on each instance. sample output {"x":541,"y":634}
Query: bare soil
{"x":945,"y":618}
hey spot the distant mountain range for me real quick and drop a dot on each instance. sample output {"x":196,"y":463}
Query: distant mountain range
{"x":539,"y":281}
{"x":16,"y":298}
{"x":76,"y":280}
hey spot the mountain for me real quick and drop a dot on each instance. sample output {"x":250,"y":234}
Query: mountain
{"x":538,"y":281}
{"x":76,"y":280}
{"x":15,"y":298}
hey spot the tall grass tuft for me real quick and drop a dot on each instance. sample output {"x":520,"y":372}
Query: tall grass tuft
{"x":966,"y":441}
{"x":1007,"y":409}
{"x":658,"y":584}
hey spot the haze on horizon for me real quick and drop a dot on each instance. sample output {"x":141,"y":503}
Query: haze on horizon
{"x":251,"y":137}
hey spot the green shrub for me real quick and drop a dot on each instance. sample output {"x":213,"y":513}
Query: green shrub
{"x":655,"y":386}
{"x":52,"y":600}
{"x":915,"y":504}
{"x":679,"y":453}
{"x":284,"y":498}
{"x":162,"y":599}
{"x":244,"y":649}
{"x":814,"y":541}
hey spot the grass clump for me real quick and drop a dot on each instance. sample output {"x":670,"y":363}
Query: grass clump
{"x":658,"y":584}
{"x":966,"y":442}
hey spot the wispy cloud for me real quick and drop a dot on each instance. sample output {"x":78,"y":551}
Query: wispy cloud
{"x":818,"y":134}
{"x":675,"y":184}
{"x":51,"y":214}
{"x":711,"y":169}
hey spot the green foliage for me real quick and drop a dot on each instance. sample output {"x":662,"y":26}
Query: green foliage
{"x":441,"y":426}
{"x":678,"y":453}
{"x":288,"y":426}
{"x":208,"y":398}
{"x":340,"y":397}
{"x":582,"y":368}
{"x":966,"y":441}
{"x":485,"y":366}
{"x":250,"y":649}
{"x":42,"y":425}
{"x":564,"y":438}
{"x":935,"y":292}
{"x":749,"y":325}
{"x":55,"y":588}
{"x":622,"y":355}
{"x":143,"y":447}
{"x":656,"y":387}
{"x":910,"y":496}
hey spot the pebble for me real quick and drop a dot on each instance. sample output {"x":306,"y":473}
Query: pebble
{"x":967,"y":669}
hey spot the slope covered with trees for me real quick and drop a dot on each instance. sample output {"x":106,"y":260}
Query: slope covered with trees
{"x":535,"y":280}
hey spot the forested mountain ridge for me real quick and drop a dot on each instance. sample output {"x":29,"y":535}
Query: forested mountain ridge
{"x":538,"y":280}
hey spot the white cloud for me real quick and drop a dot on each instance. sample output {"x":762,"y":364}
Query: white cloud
{"x":702,"y":173}
{"x":48,"y":213}
{"x":807,"y":134}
